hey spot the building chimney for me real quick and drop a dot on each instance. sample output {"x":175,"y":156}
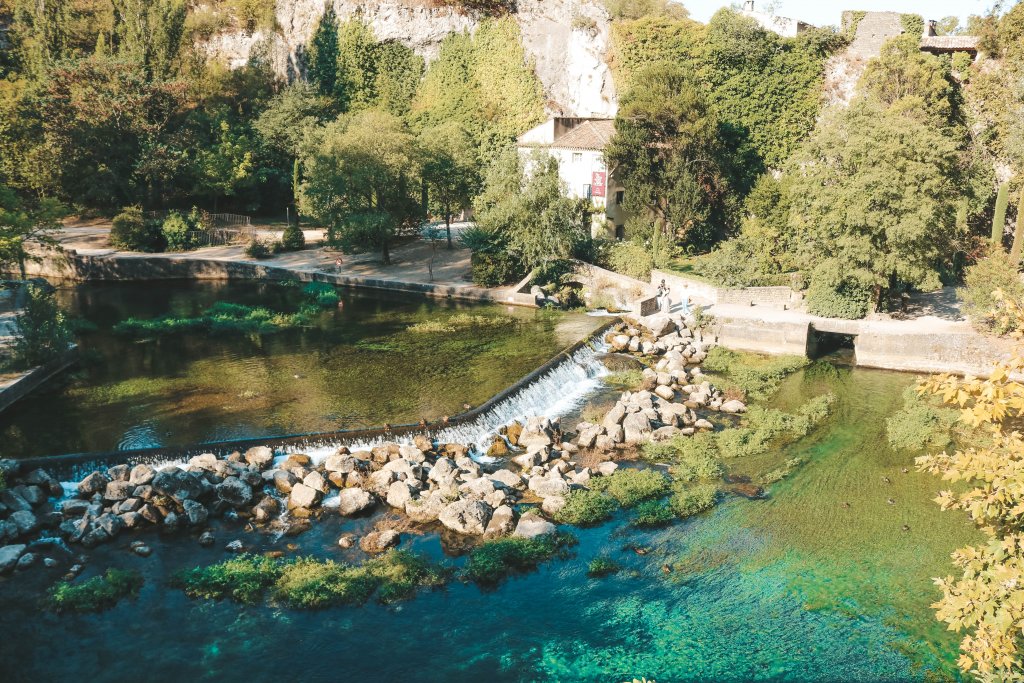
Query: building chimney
{"x":748,"y":6}
{"x":929,"y":28}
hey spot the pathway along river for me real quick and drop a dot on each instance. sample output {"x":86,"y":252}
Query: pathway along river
{"x":796,"y":587}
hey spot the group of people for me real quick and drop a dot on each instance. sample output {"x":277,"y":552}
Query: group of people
{"x":665,"y":301}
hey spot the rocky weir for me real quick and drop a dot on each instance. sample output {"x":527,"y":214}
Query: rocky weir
{"x":430,"y":480}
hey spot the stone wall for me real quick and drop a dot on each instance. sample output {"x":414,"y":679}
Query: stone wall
{"x":760,"y":336}
{"x":684,"y":287}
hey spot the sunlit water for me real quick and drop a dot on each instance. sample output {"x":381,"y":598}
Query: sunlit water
{"x":796,"y":587}
{"x":359,"y":366}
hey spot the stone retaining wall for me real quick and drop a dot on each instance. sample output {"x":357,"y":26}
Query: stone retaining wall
{"x":761,"y":336}
{"x":684,"y":287}
{"x":24,"y":385}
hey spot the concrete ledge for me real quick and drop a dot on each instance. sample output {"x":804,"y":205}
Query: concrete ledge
{"x":20,"y":387}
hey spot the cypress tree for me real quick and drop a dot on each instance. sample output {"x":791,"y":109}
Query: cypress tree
{"x":999,"y":219}
{"x":323,"y":53}
{"x":1018,"y":233}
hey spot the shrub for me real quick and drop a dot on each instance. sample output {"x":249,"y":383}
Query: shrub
{"x":292,"y":239}
{"x":495,"y":270}
{"x":258,"y":249}
{"x":687,"y":501}
{"x":98,"y":593}
{"x":631,"y":259}
{"x":494,"y":560}
{"x":630,"y":487}
{"x":919,"y":425}
{"x":175,"y":232}
{"x":586,"y":508}
{"x":132,"y":232}
{"x":995,"y":272}
{"x":652,"y":513}
{"x":838,"y":292}
{"x":601,"y":567}
{"x":43,"y":332}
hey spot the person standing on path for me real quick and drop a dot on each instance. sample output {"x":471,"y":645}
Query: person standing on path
{"x":664,"y":305}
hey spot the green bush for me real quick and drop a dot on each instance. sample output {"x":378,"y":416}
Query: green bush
{"x":322,"y":294}
{"x":838,"y":292}
{"x":586,"y":508}
{"x":600,"y":567}
{"x":132,"y":232}
{"x":692,"y":457}
{"x":495,"y":270}
{"x":633,"y":486}
{"x":221,"y":318}
{"x":491,"y":562}
{"x":651,"y":514}
{"x":993,"y":272}
{"x":919,"y":426}
{"x":687,"y":501}
{"x":258,"y":249}
{"x":43,"y":332}
{"x":292,"y":239}
{"x":243,"y":579}
{"x":175,"y":231}
{"x":98,"y":593}
{"x":631,"y":259}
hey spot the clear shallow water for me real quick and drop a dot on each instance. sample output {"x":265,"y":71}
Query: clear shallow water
{"x":793,"y":588}
{"x":359,"y":366}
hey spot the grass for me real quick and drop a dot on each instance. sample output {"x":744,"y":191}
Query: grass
{"x":757,"y":377}
{"x":631,"y":487}
{"x":687,"y":501}
{"x":601,"y":567}
{"x":586,"y":508}
{"x":495,"y":560}
{"x":626,"y":378}
{"x":98,"y":593}
{"x":651,"y":514}
{"x":310,"y":583}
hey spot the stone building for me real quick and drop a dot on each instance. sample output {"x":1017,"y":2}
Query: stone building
{"x":784,"y":26}
{"x":579,"y":145}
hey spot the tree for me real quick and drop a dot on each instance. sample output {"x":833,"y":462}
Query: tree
{"x":669,"y":154}
{"x":911,"y":80}
{"x":22,"y":224}
{"x":986,"y":600}
{"x":42,"y":329}
{"x":323,"y":53}
{"x":361,"y":178}
{"x":874,"y":189}
{"x":534,"y":217}
{"x":451,"y":171}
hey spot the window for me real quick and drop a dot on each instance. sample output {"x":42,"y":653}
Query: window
{"x":588,"y":191}
{"x":620,"y":197}
{"x":577,"y":157}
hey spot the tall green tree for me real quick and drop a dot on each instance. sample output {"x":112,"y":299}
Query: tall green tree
{"x":669,"y":153}
{"x":323,"y":53}
{"x":361,"y":178}
{"x":451,"y":170}
{"x":23,"y":224}
{"x":874,"y":188}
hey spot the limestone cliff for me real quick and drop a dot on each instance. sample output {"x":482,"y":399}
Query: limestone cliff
{"x":566,"y":39}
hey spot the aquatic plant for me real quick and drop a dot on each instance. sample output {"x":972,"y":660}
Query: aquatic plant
{"x":765,"y":427}
{"x":652,"y":513}
{"x":462,"y":321}
{"x":691,"y":500}
{"x":98,"y":593}
{"x":626,"y":378}
{"x":919,"y":425}
{"x":586,"y":508}
{"x":781,"y":473}
{"x":494,"y":560}
{"x":758,"y":377}
{"x":243,"y":579}
{"x":321,"y":294}
{"x":601,"y":567}
{"x":692,"y":457}
{"x":632,"y":486}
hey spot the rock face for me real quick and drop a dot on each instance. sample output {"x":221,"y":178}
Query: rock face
{"x":566,"y":39}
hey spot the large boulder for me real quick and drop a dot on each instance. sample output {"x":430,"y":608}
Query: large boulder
{"x":266,"y":510}
{"x":303,"y":496}
{"x":614,"y":417}
{"x":260,"y":457}
{"x":235,"y":492}
{"x":426,"y":509}
{"x":532,"y":526}
{"x":141,"y":475}
{"x":118,"y":490}
{"x":549,"y":486}
{"x":94,"y":483}
{"x":400,"y":493}
{"x":468,"y":517}
{"x":178,"y":484}
{"x":665,"y":392}
{"x":734,"y":407}
{"x":340,"y":462}
{"x":25,"y":521}
{"x":379,"y":541}
{"x":508,"y":479}
{"x":195,"y":513}
{"x":13,"y":500}
{"x":353,"y":501}
{"x":9,"y":556}
{"x":477,"y":489}
{"x":502,"y":522}
{"x":659,"y":325}
{"x":636,"y":428}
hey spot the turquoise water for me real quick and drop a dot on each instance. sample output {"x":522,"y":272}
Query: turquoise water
{"x":793,"y":588}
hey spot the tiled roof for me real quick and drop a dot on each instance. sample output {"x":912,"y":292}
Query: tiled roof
{"x":949,"y":43}
{"x":588,"y":135}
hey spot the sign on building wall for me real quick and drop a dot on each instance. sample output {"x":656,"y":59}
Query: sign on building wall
{"x":598,"y":188}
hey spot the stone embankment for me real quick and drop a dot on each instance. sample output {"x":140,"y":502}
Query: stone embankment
{"x":426,"y":481}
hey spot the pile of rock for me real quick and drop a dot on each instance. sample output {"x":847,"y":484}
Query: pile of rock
{"x":25,"y":512}
{"x":672,"y":391}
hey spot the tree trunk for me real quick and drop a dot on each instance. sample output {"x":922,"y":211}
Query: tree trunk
{"x":1018,"y":232}
{"x":448,"y":227}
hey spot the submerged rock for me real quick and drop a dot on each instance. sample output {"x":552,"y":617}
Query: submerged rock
{"x":9,"y":556}
{"x":379,"y":541}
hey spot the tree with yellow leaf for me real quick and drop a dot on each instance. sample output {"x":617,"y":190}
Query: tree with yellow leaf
{"x":987,"y":601}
